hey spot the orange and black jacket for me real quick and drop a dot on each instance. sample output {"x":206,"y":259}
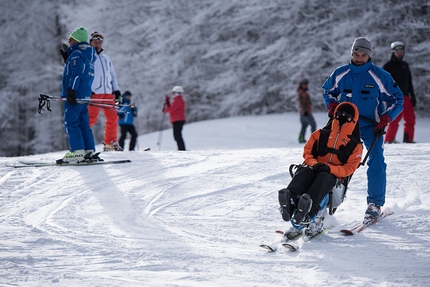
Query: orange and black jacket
{"x":342,"y":150}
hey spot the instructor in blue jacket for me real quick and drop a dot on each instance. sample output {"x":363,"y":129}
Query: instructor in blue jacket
{"x":78,"y":76}
{"x":379,"y":101}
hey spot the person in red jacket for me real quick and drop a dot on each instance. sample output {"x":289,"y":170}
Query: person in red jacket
{"x":331,"y":153}
{"x":176,"y":110}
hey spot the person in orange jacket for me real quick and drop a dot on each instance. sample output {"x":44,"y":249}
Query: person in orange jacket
{"x":331,"y":153}
{"x":176,"y":110}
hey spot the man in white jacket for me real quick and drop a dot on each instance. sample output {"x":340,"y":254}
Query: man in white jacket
{"x":105,"y":86}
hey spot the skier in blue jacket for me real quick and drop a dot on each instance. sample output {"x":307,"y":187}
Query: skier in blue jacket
{"x":78,"y":76}
{"x":126,"y":117}
{"x":379,"y":101}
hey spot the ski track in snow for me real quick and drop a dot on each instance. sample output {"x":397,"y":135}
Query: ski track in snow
{"x":196,"y":218}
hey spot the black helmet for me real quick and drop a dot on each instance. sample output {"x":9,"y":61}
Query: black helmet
{"x":345,"y":113}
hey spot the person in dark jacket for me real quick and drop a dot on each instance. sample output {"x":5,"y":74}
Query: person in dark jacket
{"x":331,"y":153}
{"x":304,"y":106}
{"x":78,"y":76}
{"x":176,"y":110}
{"x":399,"y":70}
{"x":126,"y":116}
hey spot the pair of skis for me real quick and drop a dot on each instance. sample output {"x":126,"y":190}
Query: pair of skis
{"x":294,"y":244}
{"x":23,"y":164}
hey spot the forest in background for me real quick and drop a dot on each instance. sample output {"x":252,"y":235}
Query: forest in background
{"x":241,"y":57}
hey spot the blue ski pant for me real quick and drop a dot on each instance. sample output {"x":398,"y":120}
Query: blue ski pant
{"x":376,"y":172}
{"x":77,"y":126}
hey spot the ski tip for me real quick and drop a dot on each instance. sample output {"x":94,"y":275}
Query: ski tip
{"x":280,"y":231}
{"x":268,"y":247}
{"x":291,"y":247}
{"x":346,"y":232}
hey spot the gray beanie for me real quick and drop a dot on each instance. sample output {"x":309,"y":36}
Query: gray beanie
{"x":362,"y":45}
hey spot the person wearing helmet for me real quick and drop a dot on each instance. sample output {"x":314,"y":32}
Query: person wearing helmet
{"x":305,"y":109}
{"x":331,"y":152}
{"x":399,"y":70}
{"x":176,"y":110}
{"x":379,"y":101}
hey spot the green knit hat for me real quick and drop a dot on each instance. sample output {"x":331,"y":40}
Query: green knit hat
{"x":80,"y":34}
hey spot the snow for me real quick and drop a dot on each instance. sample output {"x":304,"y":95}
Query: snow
{"x":196,"y":218}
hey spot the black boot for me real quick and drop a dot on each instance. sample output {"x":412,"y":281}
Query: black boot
{"x":303,"y":207}
{"x":285,"y":203}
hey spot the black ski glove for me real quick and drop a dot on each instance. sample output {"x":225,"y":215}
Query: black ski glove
{"x":63,"y":52}
{"x":71,"y":98}
{"x":118,"y":97}
{"x":321,"y":167}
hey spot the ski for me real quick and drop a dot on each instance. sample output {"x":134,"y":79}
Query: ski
{"x":274,"y":246}
{"x":295,"y":245}
{"x":22,"y":164}
{"x":358,"y":228}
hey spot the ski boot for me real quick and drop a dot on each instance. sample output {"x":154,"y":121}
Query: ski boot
{"x":287,"y":204}
{"x":316,"y":226}
{"x":72,"y":157}
{"x":303,"y":207}
{"x":373,"y":211}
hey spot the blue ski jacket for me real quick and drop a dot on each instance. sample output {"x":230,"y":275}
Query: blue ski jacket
{"x":78,"y":71}
{"x":126,"y":113}
{"x":369,"y":87}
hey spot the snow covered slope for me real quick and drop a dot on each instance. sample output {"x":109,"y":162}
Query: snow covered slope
{"x":196,"y":218}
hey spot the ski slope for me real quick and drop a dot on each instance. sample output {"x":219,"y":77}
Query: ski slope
{"x":196,"y":218}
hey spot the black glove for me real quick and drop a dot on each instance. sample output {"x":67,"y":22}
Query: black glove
{"x":413,"y":101}
{"x":63,"y":52}
{"x":167,"y":100}
{"x":321,"y":167}
{"x":118,"y":97}
{"x":306,"y":114}
{"x":71,"y":98}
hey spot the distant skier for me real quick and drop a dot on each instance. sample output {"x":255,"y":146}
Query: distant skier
{"x":331,"y":153}
{"x":400,"y":72}
{"x":379,"y":101}
{"x":126,"y":115}
{"x":305,"y":109}
{"x":176,"y":109}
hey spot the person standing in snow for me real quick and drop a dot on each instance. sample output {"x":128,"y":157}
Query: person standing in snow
{"x":78,"y":76}
{"x":126,"y":116}
{"x":379,"y":101}
{"x":176,"y":110}
{"x":399,"y":70}
{"x":331,"y":153}
{"x":105,"y":87}
{"x":305,"y":109}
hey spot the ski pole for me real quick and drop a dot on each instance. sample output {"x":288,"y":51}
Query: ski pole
{"x":370,"y":148}
{"x":160,"y":134}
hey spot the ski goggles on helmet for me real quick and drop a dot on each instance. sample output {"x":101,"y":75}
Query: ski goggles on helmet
{"x":399,"y":48}
{"x":96,"y":36}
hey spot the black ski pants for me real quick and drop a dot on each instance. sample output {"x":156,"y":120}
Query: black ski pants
{"x":128,"y":129}
{"x":177,"y":134}
{"x":316,"y":184}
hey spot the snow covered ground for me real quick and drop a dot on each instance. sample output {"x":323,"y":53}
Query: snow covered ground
{"x":196,"y":218}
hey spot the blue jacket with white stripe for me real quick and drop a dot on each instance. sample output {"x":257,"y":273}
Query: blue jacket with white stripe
{"x":78,"y":71}
{"x":369,"y":87}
